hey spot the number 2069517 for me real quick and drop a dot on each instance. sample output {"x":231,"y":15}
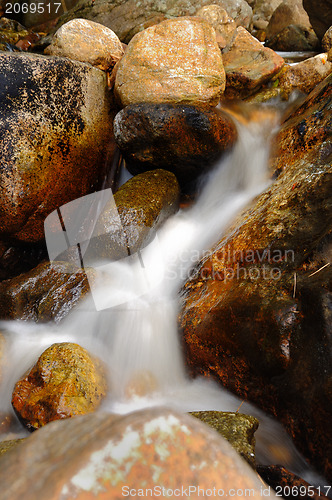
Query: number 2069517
{"x":32,"y":8}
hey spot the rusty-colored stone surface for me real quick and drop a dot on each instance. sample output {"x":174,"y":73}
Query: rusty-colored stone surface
{"x":243,"y":76}
{"x":257,"y":315}
{"x":86,"y":41}
{"x":176,"y":61}
{"x":66,"y":381}
{"x":306,"y":75}
{"x":185,"y":140}
{"x":47,"y":292}
{"x":104,"y":456}
{"x":56,"y":130}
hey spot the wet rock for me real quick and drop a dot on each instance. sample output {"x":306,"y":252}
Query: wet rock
{"x":107,"y":455}
{"x":320,"y":15}
{"x":237,"y":428}
{"x":327,"y":40}
{"x":183,"y":139}
{"x":284,"y":482}
{"x":2,"y":352}
{"x":86,"y":41}
{"x":16,"y":259}
{"x":8,"y":445}
{"x":143,"y":203}
{"x":45,"y":293}
{"x":66,"y":381}
{"x":306,"y":75}
{"x":288,"y":12}
{"x":130,"y":17}
{"x":242,"y":76}
{"x":257,"y":314}
{"x":56,"y":130}
{"x":224,"y":25}
{"x":294,"y":38}
{"x":177,"y":61}
{"x":10,"y":33}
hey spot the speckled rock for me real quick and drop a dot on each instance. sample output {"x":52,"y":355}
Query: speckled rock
{"x":257,"y":315}
{"x":294,"y":38}
{"x":320,"y":15}
{"x":237,"y":428}
{"x":56,"y":130}
{"x":45,"y":293}
{"x":306,"y":74}
{"x":86,"y":41}
{"x":224,"y":25}
{"x":143,"y":203}
{"x":243,"y":76}
{"x":288,"y":12}
{"x":177,"y":61}
{"x":106,"y":456}
{"x":66,"y":381}
{"x":182,"y":139}
{"x":327,"y":40}
{"x":126,"y":18}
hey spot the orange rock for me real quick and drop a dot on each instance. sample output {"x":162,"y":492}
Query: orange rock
{"x":65,"y":381}
{"x":176,"y":61}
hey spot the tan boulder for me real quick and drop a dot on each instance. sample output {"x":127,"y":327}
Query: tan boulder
{"x":65,"y":381}
{"x":288,"y":12}
{"x":176,"y":61}
{"x":221,"y":22}
{"x":248,"y":64}
{"x":306,"y":74}
{"x":88,"y":42}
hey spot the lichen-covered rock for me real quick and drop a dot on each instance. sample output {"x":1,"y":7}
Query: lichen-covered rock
{"x":320,"y":15}
{"x":294,"y":38}
{"x":66,"y":381}
{"x":108,"y":456}
{"x":306,"y":75}
{"x":86,"y":41}
{"x":56,"y":131}
{"x":238,"y":429}
{"x":327,"y":40}
{"x":248,"y":64}
{"x":288,"y":12}
{"x":182,"y":139}
{"x":258,"y":312}
{"x":47,"y":292}
{"x":176,"y":61}
{"x":142,"y":204}
{"x":221,"y":22}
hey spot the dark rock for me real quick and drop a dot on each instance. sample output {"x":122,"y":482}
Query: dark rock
{"x":66,"y":381}
{"x":10,"y":33}
{"x":327,"y":40}
{"x":237,"y":428}
{"x":104,"y":455}
{"x":56,"y":129}
{"x":16,"y":258}
{"x":257,"y":315}
{"x":294,"y":38}
{"x":183,"y":139}
{"x":248,"y":65}
{"x":45,"y":293}
{"x":320,"y":15}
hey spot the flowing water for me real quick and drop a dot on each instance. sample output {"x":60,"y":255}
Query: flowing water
{"x":130,"y":320}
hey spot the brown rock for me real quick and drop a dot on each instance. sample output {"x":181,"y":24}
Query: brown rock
{"x":248,"y":64}
{"x":177,"y":61}
{"x":8,"y":445}
{"x":238,"y":10}
{"x":66,"y":381}
{"x":306,"y":75}
{"x":288,"y":12}
{"x":45,"y":293}
{"x":183,"y":139}
{"x":327,"y":40}
{"x":105,"y":456}
{"x":257,"y":314}
{"x":86,"y":41}
{"x":262,"y":12}
{"x":294,"y":38}
{"x":56,"y":132}
{"x":221,"y":22}
{"x":320,"y":15}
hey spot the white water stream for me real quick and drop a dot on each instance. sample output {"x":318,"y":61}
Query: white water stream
{"x":131,"y":320}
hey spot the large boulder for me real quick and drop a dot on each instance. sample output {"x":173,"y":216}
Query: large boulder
{"x":320,"y":15}
{"x":306,"y":74}
{"x":288,"y":12}
{"x":56,"y":130}
{"x":183,"y":139}
{"x":257,"y":313}
{"x":176,"y":61}
{"x":150,"y":453}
